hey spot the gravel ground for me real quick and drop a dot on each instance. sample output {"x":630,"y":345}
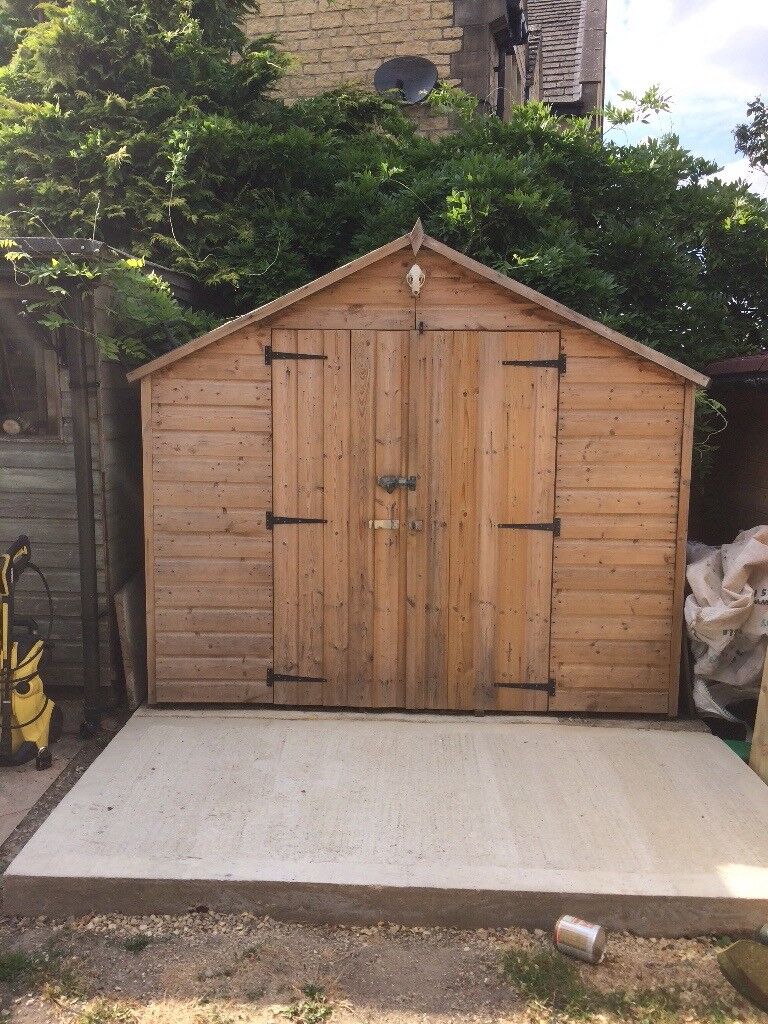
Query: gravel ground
{"x":209,"y":968}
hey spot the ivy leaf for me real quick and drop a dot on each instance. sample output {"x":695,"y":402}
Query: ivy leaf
{"x":53,"y":321}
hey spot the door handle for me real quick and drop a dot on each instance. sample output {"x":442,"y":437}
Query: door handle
{"x":390,"y":482}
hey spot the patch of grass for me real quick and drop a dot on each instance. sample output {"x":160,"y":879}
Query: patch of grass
{"x":58,"y":981}
{"x":101,"y":1011}
{"x":136,"y":943}
{"x":545,"y":977}
{"x":312,"y":1009}
{"x":16,"y":966}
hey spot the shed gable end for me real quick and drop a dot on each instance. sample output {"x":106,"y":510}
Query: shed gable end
{"x":462,"y":293}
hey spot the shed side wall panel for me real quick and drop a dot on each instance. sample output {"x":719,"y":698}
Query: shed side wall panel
{"x":211,"y":482}
{"x":620,"y":444}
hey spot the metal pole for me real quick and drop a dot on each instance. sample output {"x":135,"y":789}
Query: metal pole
{"x":75,"y":347}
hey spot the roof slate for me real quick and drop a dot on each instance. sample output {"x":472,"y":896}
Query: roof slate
{"x":560,"y":23}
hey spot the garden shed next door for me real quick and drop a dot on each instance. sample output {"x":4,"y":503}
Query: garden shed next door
{"x":446,"y":493}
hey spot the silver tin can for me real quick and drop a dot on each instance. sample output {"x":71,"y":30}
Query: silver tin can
{"x":579,"y":938}
{"x":761,"y":935}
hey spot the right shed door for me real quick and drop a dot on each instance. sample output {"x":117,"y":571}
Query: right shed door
{"x":482,"y":421}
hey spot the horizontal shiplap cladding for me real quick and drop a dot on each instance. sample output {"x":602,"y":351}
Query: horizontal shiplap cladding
{"x":211,"y":453}
{"x":618,"y":477}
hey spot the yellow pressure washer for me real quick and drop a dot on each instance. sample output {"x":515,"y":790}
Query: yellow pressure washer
{"x":29,"y":721}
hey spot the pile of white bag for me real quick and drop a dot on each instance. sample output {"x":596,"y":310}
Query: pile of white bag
{"x":727,"y":617}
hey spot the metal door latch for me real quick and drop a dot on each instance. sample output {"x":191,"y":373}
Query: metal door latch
{"x":389,"y":483}
{"x":384,"y":524}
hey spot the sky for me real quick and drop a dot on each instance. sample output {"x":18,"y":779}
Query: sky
{"x":709,"y":56}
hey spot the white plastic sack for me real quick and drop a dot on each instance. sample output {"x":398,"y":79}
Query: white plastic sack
{"x":727,"y":617}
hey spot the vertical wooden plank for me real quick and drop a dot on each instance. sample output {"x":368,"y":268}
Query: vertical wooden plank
{"x":492,"y":466}
{"x":309,"y":536}
{"x":407,"y":339}
{"x":525,"y":556}
{"x":285,"y":502}
{"x":430,"y":442}
{"x":463,"y":522}
{"x":336,"y":418}
{"x":686,"y":454}
{"x":416,"y":510}
{"x":361,"y":510}
{"x":149,"y":533}
{"x":538,"y":612}
{"x":518,"y":384}
{"x":387,"y":684}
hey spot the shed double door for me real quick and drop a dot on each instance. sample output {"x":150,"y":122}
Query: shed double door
{"x":436,"y":595}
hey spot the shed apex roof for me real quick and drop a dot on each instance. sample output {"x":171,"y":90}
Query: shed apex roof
{"x":417,"y":239}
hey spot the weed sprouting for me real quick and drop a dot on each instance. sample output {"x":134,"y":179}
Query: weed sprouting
{"x":547,"y":978}
{"x":101,"y":1011}
{"x":312,"y":1009}
{"x":16,"y":966}
{"x":136,"y":943}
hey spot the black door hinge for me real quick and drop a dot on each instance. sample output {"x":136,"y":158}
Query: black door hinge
{"x":558,"y":364}
{"x":280,"y":677}
{"x":273,"y":521}
{"x":270,"y":355}
{"x":553,"y":527}
{"x":548,"y":687}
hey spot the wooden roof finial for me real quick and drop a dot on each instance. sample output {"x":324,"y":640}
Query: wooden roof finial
{"x":417,"y":235}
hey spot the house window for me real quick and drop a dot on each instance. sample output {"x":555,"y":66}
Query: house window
{"x":29,"y":384}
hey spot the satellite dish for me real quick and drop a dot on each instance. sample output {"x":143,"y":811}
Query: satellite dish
{"x":412,"y":77}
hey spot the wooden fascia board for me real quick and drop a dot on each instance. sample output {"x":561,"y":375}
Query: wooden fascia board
{"x":570,"y":315}
{"x":416,"y":240}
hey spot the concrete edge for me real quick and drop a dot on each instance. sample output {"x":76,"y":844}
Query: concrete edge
{"x":321,"y":903}
{"x":281,"y":713}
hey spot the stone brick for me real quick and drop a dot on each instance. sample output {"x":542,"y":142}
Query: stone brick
{"x":327,"y":19}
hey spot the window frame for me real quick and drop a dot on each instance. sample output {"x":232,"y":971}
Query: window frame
{"x":47,"y":384}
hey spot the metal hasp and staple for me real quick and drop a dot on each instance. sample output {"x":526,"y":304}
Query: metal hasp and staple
{"x":389,"y":482}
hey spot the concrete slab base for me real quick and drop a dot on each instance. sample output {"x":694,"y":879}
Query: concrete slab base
{"x":427,"y":820}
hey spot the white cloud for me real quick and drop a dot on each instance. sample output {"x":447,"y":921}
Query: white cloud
{"x":710,"y":57}
{"x":739,"y":170}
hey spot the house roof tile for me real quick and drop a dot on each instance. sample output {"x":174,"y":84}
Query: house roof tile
{"x":560,"y":23}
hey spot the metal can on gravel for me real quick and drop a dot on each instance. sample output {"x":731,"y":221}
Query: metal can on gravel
{"x":579,"y":938}
{"x":761,"y":935}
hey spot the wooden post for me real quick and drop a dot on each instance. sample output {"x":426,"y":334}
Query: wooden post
{"x":758,"y":757}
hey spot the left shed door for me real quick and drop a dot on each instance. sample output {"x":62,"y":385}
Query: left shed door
{"x":339,"y":601}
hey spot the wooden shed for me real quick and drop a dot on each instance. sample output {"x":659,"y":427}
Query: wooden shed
{"x":416,"y":483}
{"x":69,"y":424}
